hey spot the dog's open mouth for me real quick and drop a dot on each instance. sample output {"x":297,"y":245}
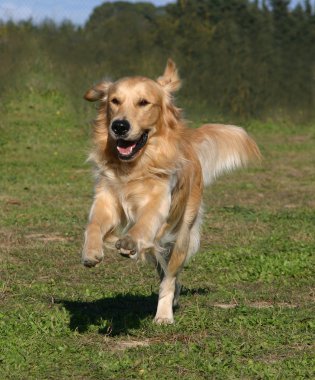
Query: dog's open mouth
{"x":128,"y":149}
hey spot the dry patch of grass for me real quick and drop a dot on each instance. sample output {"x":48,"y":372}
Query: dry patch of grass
{"x":48,"y":237}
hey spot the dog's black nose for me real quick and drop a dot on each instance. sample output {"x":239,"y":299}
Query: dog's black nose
{"x":120,"y":127}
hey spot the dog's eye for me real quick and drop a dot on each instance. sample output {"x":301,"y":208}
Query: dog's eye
{"x":115,"y":101}
{"x":143,"y":102}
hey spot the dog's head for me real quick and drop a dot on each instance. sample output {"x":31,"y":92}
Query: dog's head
{"x":134,"y":109}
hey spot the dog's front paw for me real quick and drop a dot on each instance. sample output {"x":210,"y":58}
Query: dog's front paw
{"x":127,"y":247}
{"x":90,"y":258}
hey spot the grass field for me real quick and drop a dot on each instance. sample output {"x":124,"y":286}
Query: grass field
{"x":247,"y":306}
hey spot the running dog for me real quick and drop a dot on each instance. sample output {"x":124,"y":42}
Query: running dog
{"x":151,"y":170}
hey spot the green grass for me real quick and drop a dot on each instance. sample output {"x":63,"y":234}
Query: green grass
{"x":247,"y":308}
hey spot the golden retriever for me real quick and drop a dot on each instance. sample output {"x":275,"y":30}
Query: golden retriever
{"x":150,"y":174}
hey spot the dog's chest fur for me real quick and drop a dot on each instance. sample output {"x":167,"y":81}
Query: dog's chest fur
{"x":135,"y":192}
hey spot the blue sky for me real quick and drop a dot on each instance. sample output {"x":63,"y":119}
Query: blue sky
{"x":77,"y":11}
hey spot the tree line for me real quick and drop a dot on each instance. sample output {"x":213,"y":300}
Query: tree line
{"x":238,"y":57}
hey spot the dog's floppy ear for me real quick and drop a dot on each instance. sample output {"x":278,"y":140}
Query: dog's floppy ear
{"x":170,"y":79}
{"x":97,"y":92}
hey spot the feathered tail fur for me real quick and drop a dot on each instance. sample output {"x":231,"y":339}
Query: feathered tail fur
{"x":222,"y":148}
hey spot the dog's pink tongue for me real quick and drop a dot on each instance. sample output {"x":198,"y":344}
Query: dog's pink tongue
{"x":125,"y":151}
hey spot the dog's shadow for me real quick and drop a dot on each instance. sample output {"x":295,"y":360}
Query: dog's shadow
{"x":115,"y":315}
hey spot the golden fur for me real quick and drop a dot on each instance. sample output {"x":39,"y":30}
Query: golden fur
{"x":150,"y":179}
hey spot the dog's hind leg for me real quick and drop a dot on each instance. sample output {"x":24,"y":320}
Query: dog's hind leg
{"x":194,"y":239}
{"x":164,"y":313}
{"x":169,"y":286}
{"x":161,"y":273}
{"x":187,"y":243}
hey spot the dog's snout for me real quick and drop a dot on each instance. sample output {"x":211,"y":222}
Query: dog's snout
{"x":120,"y":127}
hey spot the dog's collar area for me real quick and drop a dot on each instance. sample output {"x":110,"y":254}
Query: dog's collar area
{"x":128,"y":149}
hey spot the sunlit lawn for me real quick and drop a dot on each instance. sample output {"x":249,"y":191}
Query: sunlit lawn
{"x":247,"y":306}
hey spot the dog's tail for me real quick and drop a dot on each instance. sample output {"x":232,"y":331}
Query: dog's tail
{"x":222,"y":148}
